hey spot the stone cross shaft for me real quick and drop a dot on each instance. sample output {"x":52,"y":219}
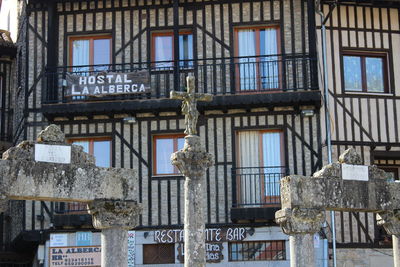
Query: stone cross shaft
{"x":189,"y":104}
{"x":192,"y":161}
{"x":111,"y":193}
{"x":362,"y":189}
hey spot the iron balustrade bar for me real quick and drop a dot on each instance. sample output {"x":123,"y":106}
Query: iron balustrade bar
{"x":256,"y":74}
{"x":257,"y":186}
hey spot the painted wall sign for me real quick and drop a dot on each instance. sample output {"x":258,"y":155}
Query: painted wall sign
{"x":213,"y":252}
{"x":211,"y":235}
{"x":131,"y":248}
{"x":58,"y":240}
{"x":53,"y":153}
{"x":108,"y":83}
{"x":75,"y":256}
{"x":355,"y":172}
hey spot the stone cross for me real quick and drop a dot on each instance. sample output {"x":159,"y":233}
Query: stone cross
{"x":192,"y":161}
{"x":343,"y":186}
{"x":111,"y":193}
{"x":189,"y":104}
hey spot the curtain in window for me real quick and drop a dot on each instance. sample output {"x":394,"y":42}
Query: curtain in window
{"x":272,"y":162}
{"x":163,"y":50}
{"x":247,"y":66}
{"x":186,"y":50}
{"x":80,"y":55}
{"x":269,"y":65}
{"x":249,"y":173}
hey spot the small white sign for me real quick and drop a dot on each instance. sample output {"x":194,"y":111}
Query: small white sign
{"x":58,"y":240}
{"x":131,"y":248}
{"x":355,"y":172}
{"x":53,"y":153}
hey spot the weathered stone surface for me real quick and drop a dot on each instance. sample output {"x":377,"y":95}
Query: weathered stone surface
{"x":114,"y":213}
{"x":390,"y":220}
{"x":21,"y":177}
{"x":300,"y":221}
{"x":350,"y":156}
{"x":192,"y":161}
{"x":52,"y":134}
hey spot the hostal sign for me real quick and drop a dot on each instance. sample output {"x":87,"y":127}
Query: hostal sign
{"x":108,"y":84}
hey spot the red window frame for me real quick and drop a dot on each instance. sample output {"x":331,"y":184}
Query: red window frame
{"x":175,"y":138}
{"x":91,"y":39}
{"x":257,"y":56}
{"x":168,"y":33}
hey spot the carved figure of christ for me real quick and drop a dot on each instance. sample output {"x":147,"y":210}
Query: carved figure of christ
{"x":189,"y":104}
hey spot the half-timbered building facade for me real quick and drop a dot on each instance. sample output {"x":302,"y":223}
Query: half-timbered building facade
{"x":363,"y":45}
{"x":103,"y":70}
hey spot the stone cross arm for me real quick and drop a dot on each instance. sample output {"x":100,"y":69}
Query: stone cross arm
{"x":22,"y":177}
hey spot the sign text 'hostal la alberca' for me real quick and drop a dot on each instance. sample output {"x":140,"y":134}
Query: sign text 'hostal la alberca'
{"x":107,"y":83}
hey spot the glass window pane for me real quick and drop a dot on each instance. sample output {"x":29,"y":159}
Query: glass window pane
{"x":163,"y":50}
{"x":186,"y":49}
{"x":269,"y":64}
{"x":102,"y":153}
{"x":352,"y":73}
{"x":164,"y":149}
{"x":84,"y":144}
{"x":80,"y":54}
{"x":181,"y":142}
{"x":374,"y":73}
{"x":101,"y":53}
{"x":247,"y":61}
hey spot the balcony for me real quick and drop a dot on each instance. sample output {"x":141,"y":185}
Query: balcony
{"x":256,"y":193}
{"x":258,"y":80}
{"x":71,"y":215}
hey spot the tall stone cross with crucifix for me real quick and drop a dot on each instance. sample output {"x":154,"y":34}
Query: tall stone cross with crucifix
{"x":192,"y":161}
{"x":189,"y":104}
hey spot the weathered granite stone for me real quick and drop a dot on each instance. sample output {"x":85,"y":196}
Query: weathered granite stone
{"x":305,"y":199}
{"x":51,"y":135}
{"x":350,"y":156}
{"x":114,"y":213}
{"x":300,"y":221}
{"x":192,"y":161}
{"x":390,"y":220}
{"x":329,"y":171}
{"x":114,"y":217}
{"x":21,"y":177}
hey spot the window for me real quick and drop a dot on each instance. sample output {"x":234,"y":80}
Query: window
{"x":164,"y":146}
{"x":365,"y":72}
{"x":257,"y":250}
{"x":260,"y":161}
{"x":158,"y":253}
{"x":163,"y":49}
{"x":100,"y":148}
{"x":90,"y":50}
{"x":258,"y":63}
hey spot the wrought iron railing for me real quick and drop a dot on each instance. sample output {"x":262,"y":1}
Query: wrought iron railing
{"x":218,"y":76}
{"x":70,"y":208}
{"x":257,"y":186}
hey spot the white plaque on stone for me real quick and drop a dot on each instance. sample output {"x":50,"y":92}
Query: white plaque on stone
{"x":355,"y":172}
{"x":131,"y":248}
{"x":53,"y":153}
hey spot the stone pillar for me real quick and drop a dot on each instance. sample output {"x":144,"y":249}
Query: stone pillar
{"x":390,"y":220}
{"x":301,"y":225}
{"x":114,"y":218}
{"x":192,"y":161}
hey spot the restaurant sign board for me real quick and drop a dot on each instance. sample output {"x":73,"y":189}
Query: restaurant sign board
{"x":107,"y":83}
{"x":89,"y":256}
